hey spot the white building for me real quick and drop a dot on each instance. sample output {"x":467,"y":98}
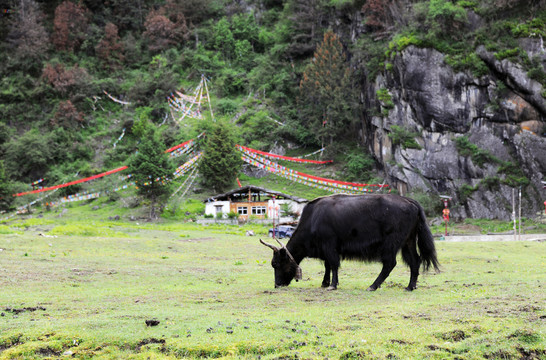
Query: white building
{"x":252,"y":201}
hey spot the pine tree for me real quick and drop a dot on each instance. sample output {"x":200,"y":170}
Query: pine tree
{"x":221,"y":162}
{"x":6,"y":198}
{"x":27,"y":35}
{"x":326,"y":95}
{"x":152,"y":170}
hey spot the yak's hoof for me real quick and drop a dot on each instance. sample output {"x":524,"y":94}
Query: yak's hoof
{"x":325,"y":285}
{"x":371,"y":288}
{"x":330,"y":288}
{"x":410,"y":288}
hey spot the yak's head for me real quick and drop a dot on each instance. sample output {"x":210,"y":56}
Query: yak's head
{"x":286,"y":268}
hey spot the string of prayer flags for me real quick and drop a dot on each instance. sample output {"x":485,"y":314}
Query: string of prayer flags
{"x":116,"y":100}
{"x":184,"y":147}
{"x":181,"y":149}
{"x":311,"y":180}
{"x":183,"y":104}
{"x":275,"y":156}
{"x":120,"y":137}
{"x":313,"y":153}
{"x":73,"y":182}
{"x":35,"y":186}
{"x":188,"y":165}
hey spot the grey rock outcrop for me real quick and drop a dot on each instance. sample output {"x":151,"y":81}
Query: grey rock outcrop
{"x":505,"y":127}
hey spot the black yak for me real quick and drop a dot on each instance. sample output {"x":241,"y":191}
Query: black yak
{"x":359,"y":227}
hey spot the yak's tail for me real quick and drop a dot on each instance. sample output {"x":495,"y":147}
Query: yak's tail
{"x":425,"y":242}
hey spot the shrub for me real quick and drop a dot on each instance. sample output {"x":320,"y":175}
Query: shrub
{"x":359,"y":166}
{"x":110,"y":49}
{"x":386,"y":100}
{"x":67,"y":116}
{"x":65,"y":80}
{"x":478,"y":156}
{"x":226,"y":106}
{"x":69,"y":25}
{"x":165,"y":27}
{"x":508,"y":54}
{"x":402,"y":41}
{"x":403,"y":137}
{"x":465,"y":191}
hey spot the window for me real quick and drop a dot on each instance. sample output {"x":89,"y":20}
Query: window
{"x":259,"y":210}
{"x":242,"y":210}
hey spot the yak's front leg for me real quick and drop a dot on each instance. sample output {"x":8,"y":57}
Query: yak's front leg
{"x":388,"y":264}
{"x":334,"y":266}
{"x":326,"y":280}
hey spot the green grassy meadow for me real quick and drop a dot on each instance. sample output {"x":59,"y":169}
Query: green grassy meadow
{"x":87,"y":288}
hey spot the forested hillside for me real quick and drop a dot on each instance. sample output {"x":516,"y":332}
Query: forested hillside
{"x":83,"y":83}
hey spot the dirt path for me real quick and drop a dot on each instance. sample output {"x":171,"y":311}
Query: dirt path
{"x":505,"y":237}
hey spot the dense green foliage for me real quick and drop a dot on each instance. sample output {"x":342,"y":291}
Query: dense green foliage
{"x":280,"y":70}
{"x":6,"y":200}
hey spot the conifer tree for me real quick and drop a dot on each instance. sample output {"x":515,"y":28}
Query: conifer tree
{"x":6,"y":198}
{"x":152,"y":170}
{"x":221,"y":162}
{"x":327,"y":99}
{"x":27,"y":34}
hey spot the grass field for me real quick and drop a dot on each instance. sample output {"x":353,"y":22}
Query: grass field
{"x":88,"y":288}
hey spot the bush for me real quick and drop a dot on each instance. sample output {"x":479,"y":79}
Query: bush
{"x":386,"y":101}
{"x":403,"y":137}
{"x":226,"y":106}
{"x":402,"y":41}
{"x":359,"y":166}
{"x":430,"y":202}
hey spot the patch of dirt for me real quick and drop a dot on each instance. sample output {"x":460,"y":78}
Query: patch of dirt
{"x":437,"y":348}
{"x":499,"y":354}
{"x":152,"y":322}
{"x":144,"y":342}
{"x":400,"y":342}
{"x":47,"y":351}
{"x":356,"y":354}
{"x":25,"y":309}
{"x":528,"y":308}
{"x":418,"y":315}
{"x":455,"y":336}
{"x":531,"y":354}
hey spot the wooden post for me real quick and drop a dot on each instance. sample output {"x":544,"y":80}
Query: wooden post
{"x":208,"y":97}
{"x":514,"y":211}
{"x":274,"y":232}
{"x":519,"y":232}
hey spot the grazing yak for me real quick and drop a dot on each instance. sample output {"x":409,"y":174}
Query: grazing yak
{"x":359,"y":227}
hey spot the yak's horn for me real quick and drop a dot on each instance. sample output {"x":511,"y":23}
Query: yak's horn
{"x":269,"y":245}
{"x":288,"y":252}
{"x":280,"y":243}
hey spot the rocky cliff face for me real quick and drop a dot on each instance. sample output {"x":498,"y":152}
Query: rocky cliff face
{"x":478,"y":138}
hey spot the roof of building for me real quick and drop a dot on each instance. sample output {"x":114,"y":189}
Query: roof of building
{"x":243,"y":192}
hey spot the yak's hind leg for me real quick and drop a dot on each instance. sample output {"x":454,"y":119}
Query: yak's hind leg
{"x":412,"y":258}
{"x":389,"y":262}
{"x":326,"y":280}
